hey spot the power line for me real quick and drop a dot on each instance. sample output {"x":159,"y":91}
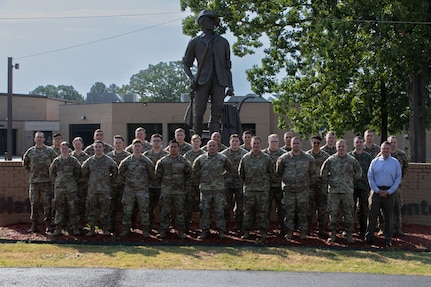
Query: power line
{"x":97,"y":41}
{"x":88,"y":16}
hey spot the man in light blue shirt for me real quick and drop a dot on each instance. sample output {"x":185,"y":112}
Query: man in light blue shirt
{"x":384,"y":177}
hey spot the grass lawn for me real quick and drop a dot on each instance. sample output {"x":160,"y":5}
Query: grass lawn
{"x":215,"y":258}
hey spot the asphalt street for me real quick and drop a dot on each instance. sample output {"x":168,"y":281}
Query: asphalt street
{"x":31,"y":277}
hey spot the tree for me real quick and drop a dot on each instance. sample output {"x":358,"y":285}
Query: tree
{"x":61,"y":92}
{"x":343,"y":65}
{"x":100,"y":87}
{"x":163,"y":82}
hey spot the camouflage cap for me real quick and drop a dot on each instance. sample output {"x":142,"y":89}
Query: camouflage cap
{"x":210,"y":14}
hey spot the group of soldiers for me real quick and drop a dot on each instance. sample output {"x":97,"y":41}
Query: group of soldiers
{"x":233,"y":184}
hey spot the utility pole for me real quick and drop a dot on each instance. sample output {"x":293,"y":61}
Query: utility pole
{"x":10,"y":67}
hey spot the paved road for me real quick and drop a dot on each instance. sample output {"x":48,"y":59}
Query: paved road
{"x":31,"y":277}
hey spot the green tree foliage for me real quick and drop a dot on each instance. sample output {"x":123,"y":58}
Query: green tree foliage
{"x":343,"y":65}
{"x":164,"y":82}
{"x":61,"y":91}
{"x":100,"y":87}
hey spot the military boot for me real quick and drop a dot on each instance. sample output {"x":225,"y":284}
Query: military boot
{"x":204,"y":234}
{"x":333,"y":237}
{"x":221,"y":234}
{"x":303,"y":234}
{"x":246,"y":234}
{"x":92,"y":231}
{"x":349,"y":238}
{"x":289,"y":234}
{"x":263,"y":234}
{"x":49,"y":227}
{"x":162,"y":233}
{"x":126,"y":231}
{"x":33,"y":227}
{"x":106,"y":231}
{"x":146,"y":232}
{"x":75,"y":230}
{"x":57,"y":232}
{"x":181,"y":235}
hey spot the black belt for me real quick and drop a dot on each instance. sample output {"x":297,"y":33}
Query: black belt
{"x":384,"y":187}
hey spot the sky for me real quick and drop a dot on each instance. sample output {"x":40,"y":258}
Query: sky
{"x":82,"y":42}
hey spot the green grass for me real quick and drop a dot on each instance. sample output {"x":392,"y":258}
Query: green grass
{"x":215,"y":258}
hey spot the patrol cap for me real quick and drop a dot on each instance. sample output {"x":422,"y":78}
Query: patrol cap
{"x":208,"y":13}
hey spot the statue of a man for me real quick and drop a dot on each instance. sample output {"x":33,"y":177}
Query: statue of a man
{"x":212,"y":53}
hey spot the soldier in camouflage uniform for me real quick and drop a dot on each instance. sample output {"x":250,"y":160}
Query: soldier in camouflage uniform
{"x":318,"y":192}
{"x":246,"y":139}
{"x":172,"y":171}
{"x":340,"y":171}
{"x":37,"y":160}
{"x":330,"y":147}
{"x":287,"y":137}
{"x":117,"y":186}
{"x":56,"y":141}
{"x":275,"y":192}
{"x":296,"y":168}
{"x":99,"y":170}
{"x":81,"y":156}
{"x":65,"y":172}
{"x":192,"y":185}
{"x":361,"y":187}
{"x":140,"y":134}
{"x":98,"y":136}
{"x":398,"y":196}
{"x":135,"y":171}
{"x":180,"y":136}
{"x":255,"y":170}
{"x":155,"y":153}
{"x":234,"y":196}
{"x":216,"y":136}
{"x":369,"y":145}
{"x":210,"y":170}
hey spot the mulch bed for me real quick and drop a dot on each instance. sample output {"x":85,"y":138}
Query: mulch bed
{"x":417,"y":238}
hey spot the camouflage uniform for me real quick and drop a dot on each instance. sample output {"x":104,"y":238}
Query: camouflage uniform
{"x":398,"y":195}
{"x":340,"y":172}
{"x":153,"y":184}
{"x":65,"y":174}
{"x":318,"y":194}
{"x":244,"y":147}
{"x":192,"y":189}
{"x":99,"y":173}
{"x":221,"y":147}
{"x":82,"y":187}
{"x":329,"y":150}
{"x":182,"y":148}
{"x":172,"y":173}
{"x":106,"y":148}
{"x":117,"y":189}
{"x":275,"y":191}
{"x":374,"y":150}
{"x":146,"y":146}
{"x":56,"y":150}
{"x":136,"y":172}
{"x":209,"y":171}
{"x":362,"y":190}
{"x":296,"y":171}
{"x":255,"y":171}
{"x":286,"y":149}
{"x":37,"y":162}
{"x":233,"y":183}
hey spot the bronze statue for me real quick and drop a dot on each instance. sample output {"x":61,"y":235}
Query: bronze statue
{"x":214,"y":77}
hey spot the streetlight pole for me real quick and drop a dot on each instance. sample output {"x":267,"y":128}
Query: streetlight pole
{"x":10,"y":67}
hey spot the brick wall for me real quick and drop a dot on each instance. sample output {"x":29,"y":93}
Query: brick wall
{"x":14,"y":204}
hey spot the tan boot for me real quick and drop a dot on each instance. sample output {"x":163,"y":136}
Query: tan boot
{"x":126,"y":231}
{"x":181,"y":235}
{"x":221,"y":234}
{"x":289,"y":234}
{"x":333,"y":237}
{"x":162,"y":233}
{"x":246,"y":235}
{"x":57,"y":232}
{"x":92,"y":232}
{"x":204,"y":234}
{"x":33,"y":227}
